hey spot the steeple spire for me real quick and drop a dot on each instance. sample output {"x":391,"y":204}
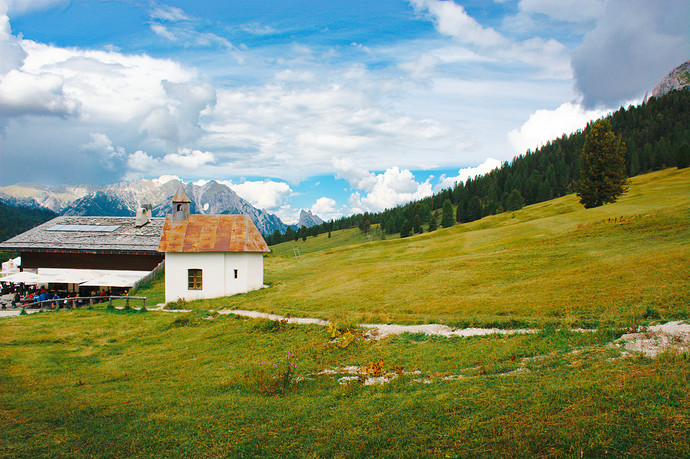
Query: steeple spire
{"x":180,"y":205}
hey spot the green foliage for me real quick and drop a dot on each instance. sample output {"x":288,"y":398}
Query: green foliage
{"x":683,"y":156}
{"x":17,"y":219}
{"x":447,"y":219}
{"x":433,"y":223}
{"x":602,"y":172}
{"x":417,"y":224}
{"x":405,"y":229}
{"x":365,"y":223}
{"x":515,"y":200}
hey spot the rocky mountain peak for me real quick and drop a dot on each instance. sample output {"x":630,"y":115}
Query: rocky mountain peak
{"x":678,"y":78}
{"x":308,"y":219}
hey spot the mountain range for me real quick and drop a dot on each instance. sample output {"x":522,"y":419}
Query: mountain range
{"x":123,"y":199}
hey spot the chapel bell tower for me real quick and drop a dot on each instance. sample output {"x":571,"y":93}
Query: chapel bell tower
{"x":180,"y":206}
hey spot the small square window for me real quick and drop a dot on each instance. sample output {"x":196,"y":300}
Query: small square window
{"x":194,"y":279}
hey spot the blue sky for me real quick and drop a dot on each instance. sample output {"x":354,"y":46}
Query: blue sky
{"x":337,"y":107}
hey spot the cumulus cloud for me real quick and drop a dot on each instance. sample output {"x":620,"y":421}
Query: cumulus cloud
{"x":545,"y":125}
{"x":381,"y":191}
{"x":26,"y":94}
{"x":102,"y":147}
{"x":324,"y":207}
{"x":189,"y":159}
{"x":468,"y":172}
{"x":263,"y":194}
{"x":634,"y":44}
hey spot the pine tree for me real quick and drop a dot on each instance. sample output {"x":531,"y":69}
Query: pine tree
{"x":683,"y":156}
{"x":447,"y":220}
{"x":433,"y":224}
{"x":602,"y":166}
{"x":417,"y":224}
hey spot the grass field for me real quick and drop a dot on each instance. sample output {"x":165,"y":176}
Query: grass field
{"x":115,"y":383}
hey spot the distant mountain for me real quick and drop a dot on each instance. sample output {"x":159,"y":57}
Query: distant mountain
{"x":99,"y":204}
{"x":678,"y":78}
{"x":123,"y":199}
{"x":306,"y":218}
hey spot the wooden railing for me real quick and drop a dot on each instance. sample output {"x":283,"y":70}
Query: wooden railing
{"x":74,"y":302}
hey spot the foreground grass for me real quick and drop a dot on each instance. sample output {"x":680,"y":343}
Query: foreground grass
{"x":112,"y":384}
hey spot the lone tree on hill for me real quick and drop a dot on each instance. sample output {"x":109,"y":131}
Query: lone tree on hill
{"x":448,"y":218}
{"x":602,"y":166}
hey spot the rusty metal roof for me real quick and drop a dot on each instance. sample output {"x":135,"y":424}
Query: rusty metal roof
{"x":212,"y":233}
{"x":180,"y":196}
{"x":92,"y":234}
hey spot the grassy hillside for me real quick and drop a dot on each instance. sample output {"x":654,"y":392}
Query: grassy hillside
{"x":128,"y":384}
{"x":553,"y":262}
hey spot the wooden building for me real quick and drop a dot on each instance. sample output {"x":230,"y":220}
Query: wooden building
{"x":103,"y":243}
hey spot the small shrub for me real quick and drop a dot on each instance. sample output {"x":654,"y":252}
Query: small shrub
{"x":184,"y":321}
{"x":274,"y":378}
{"x":652,"y":313}
{"x":342,"y":337}
{"x":272,"y":326}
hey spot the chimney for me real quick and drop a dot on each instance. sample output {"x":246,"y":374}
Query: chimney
{"x":143,"y":215}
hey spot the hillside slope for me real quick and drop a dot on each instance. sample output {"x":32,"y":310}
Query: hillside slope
{"x":550,"y":262}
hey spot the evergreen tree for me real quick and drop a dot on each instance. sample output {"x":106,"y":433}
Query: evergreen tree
{"x":447,"y":219}
{"x":365,"y":223}
{"x":474,"y":209}
{"x":433,"y":224}
{"x":683,"y":156}
{"x":602,"y":167}
{"x":405,"y":228}
{"x":417,"y":224}
{"x":515,"y":201}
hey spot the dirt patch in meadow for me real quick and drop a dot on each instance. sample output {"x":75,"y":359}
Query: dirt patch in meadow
{"x":651,"y":341}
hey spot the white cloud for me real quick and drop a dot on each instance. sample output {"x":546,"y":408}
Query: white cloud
{"x":546,"y":125}
{"x":452,"y":19}
{"x":189,"y":159}
{"x":468,"y":172}
{"x":324,"y":207}
{"x":549,"y":58}
{"x":169,"y":13}
{"x":141,"y":162}
{"x":165,"y":179}
{"x":19,"y":7}
{"x":264,"y":194}
{"x":395,"y":186}
{"x":102,"y":147}
{"x":27,"y":94}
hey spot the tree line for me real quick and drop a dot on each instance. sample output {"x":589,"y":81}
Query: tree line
{"x":656,"y":134}
{"x":17,"y":219}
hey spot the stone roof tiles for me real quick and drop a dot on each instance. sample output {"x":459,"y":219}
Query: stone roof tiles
{"x":78,"y":233}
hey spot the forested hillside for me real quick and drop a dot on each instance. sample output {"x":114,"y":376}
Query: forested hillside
{"x":654,"y":133}
{"x":16,"y":220}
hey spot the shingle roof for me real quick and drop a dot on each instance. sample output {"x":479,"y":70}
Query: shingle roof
{"x":89,"y":234}
{"x":212,"y":233}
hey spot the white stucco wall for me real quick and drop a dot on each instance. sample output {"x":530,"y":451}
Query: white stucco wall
{"x":218,"y":274}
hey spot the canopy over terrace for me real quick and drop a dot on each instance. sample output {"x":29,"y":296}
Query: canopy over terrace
{"x":78,"y":277}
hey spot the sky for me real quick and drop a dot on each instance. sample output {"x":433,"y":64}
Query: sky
{"x":337,"y":107}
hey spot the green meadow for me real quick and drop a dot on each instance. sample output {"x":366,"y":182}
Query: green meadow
{"x":124,"y":383}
